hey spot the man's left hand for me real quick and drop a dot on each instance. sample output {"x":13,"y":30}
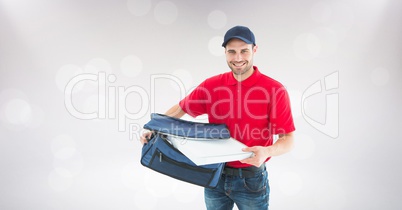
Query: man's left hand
{"x":259,"y":157}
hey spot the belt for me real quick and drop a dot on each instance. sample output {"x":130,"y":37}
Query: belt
{"x":247,"y":172}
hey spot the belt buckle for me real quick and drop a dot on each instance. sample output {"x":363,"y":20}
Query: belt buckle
{"x":230,"y":171}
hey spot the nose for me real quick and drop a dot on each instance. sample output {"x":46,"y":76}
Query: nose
{"x":238,"y":57}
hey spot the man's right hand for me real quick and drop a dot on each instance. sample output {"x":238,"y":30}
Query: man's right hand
{"x":175,"y":112}
{"x":145,"y":137}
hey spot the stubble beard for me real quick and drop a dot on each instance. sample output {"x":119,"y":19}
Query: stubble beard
{"x":243,"y":71}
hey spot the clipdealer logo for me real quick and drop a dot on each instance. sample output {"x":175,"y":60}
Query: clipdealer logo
{"x":112,"y":101}
{"x":331,"y":125}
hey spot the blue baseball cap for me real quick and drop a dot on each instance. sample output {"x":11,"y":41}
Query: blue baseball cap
{"x":239,"y":32}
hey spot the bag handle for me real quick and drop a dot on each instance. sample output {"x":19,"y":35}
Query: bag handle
{"x":187,"y":129}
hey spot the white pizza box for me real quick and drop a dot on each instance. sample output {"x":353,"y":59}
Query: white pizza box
{"x":209,"y":151}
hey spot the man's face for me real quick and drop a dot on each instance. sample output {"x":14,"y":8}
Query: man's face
{"x":239,"y":56}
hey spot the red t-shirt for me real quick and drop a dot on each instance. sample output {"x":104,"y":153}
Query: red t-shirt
{"x":253,"y":110}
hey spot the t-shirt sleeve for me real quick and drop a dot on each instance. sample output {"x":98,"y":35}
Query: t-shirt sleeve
{"x":280,"y":114}
{"x":196,"y":102}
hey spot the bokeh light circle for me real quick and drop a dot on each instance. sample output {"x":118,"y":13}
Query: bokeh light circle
{"x":165,"y":12}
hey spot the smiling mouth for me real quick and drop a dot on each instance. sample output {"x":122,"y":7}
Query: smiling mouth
{"x":239,"y":64}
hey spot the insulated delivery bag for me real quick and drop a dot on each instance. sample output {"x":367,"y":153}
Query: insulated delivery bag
{"x":160,"y":155}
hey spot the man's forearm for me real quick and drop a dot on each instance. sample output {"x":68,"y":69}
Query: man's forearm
{"x":175,"y":111}
{"x":283,"y":145}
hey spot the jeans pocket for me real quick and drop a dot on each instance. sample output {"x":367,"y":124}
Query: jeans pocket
{"x":256,"y":184}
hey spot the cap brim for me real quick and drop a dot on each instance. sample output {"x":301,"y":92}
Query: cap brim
{"x":237,"y":37}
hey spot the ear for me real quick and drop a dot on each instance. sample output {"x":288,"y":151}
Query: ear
{"x":255,"y":49}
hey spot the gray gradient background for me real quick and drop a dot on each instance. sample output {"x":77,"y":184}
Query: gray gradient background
{"x":52,"y":160}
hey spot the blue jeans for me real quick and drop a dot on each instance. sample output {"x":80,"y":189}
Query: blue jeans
{"x":247,"y":193}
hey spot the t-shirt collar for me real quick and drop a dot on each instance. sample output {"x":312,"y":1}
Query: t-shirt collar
{"x":249,"y":81}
